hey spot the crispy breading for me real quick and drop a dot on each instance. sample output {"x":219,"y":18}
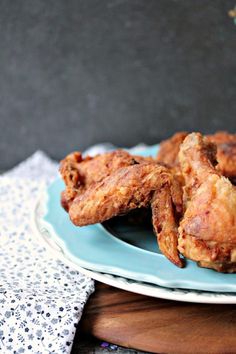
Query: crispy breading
{"x":164,"y":223}
{"x":130,"y":188}
{"x":116,"y":183}
{"x":79,"y":173}
{"x":207,"y":231}
{"x":226,"y":152}
{"x":169,"y":149}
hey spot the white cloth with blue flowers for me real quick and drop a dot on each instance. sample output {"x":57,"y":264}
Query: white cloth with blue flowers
{"x":41,"y":299}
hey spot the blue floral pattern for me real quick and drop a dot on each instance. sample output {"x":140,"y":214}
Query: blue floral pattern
{"x":41,"y":299}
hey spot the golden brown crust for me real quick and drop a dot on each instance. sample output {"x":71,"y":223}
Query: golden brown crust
{"x":79,"y":173}
{"x":164,"y":223}
{"x":226,"y":152}
{"x":207,"y":231}
{"x":115,"y":183}
{"x":128,"y":188}
{"x":209,"y":254}
{"x":169,"y":149}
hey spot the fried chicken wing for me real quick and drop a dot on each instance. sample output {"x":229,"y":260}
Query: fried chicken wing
{"x":79,"y":173}
{"x":135,"y":186}
{"x":164,"y":223}
{"x":207,"y":231}
{"x":226,"y":152}
{"x":128,"y":188}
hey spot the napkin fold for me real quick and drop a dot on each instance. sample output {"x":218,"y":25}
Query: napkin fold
{"x":41,"y":299}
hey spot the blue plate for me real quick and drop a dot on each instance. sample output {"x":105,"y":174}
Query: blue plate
{"x":126,"y":250}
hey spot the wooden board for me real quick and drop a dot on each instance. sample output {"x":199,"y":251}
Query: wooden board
{"x":159,"y":326}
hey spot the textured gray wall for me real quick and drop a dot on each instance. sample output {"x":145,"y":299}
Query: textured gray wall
{"x":74,"y":73}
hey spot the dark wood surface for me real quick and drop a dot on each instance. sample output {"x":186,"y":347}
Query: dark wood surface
{"x":159,"y":326}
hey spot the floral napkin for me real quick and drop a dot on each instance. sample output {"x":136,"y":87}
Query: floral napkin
{"x":41,"y":299}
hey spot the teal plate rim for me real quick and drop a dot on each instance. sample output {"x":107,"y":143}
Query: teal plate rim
{"x":94,"y":248}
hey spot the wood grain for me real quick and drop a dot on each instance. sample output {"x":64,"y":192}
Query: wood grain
{"x":159,"y":326}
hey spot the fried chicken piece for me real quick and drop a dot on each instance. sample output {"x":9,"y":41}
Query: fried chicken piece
{"x":164,"y":223}
{"x":128,"y":188}
{"x":169,"y":149}
{"x":226,"y":152}
{"x":79,"y":173}
{"x":168,"y":154}
{"x":207,"y":231}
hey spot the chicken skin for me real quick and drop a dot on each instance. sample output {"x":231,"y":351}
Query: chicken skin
{"x":207,"y":231}
{"x":116,"y":183}
{"x":129,"y":188}
{"x":226,"y":152}
{"x":79,"y":173}
{"x":188,"y":189}
{"x":169,"y":149}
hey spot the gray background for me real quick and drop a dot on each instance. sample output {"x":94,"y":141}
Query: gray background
{"x":75,"y":73}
